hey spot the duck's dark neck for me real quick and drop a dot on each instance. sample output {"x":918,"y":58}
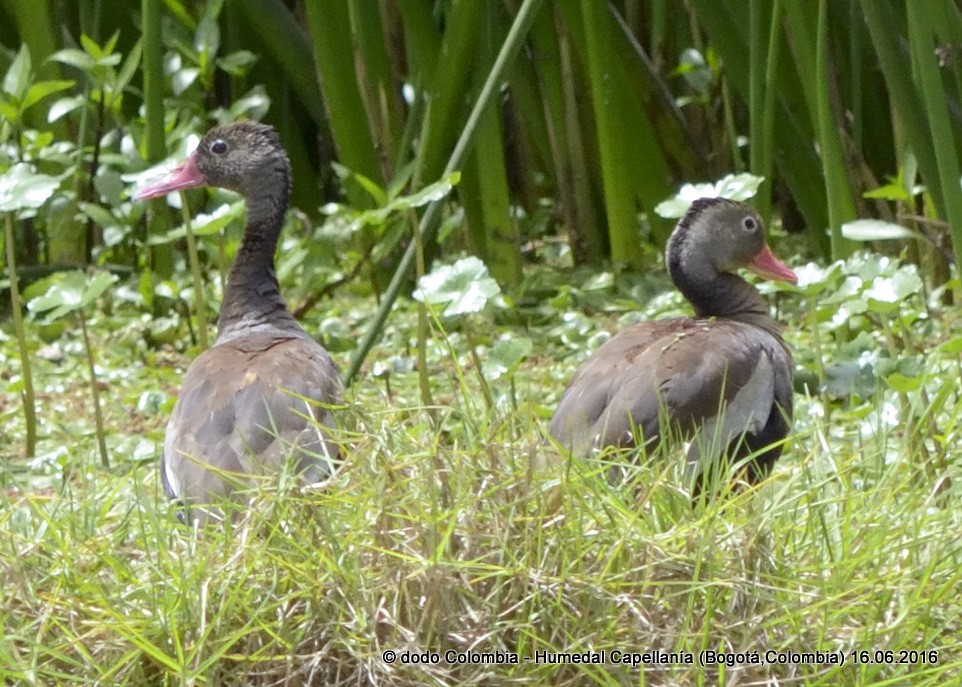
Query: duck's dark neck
{"x":718,"y":294}
{"x":253,"y":296}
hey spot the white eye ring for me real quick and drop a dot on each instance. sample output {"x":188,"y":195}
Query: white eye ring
{"x":749,"y":224}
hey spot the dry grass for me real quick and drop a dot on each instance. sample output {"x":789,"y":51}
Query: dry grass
{"x":457,"y":529}
{"x":439,"y":536}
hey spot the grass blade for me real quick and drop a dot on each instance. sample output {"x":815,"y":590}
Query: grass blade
{"x":841,"y":207}
{"x":428,"y":224}
{"x":332,"y":42}
{"x":921,"y":34}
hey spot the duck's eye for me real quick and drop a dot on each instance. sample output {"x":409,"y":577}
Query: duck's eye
{"x":218,"y":147}
{"x":749,"y":224}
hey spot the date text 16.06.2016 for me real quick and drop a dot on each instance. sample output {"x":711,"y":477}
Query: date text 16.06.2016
{"x":665,"y":658}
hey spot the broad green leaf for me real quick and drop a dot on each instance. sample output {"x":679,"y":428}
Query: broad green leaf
{"x":289,"y":260}
{"x":887,"y":293}
{"x":878,"y":230}
{"x":22,"y":188}
{"x":907,"y":375}
{"x":237,"y":62}
{"x":376,"y":193}
{"x":95,"y":286}
{"x":127,"y":71}
{"x":881,"y":295}
{"x":42,"y":89}
{"x":183,"y":78}
{"x":336,"y":334}
{"x":892,"y":191}
{"x":64,"y":106}
{"x":428,"y":194}
{"x":432,"y":192}
{"x":100,"y":215}
{"x":693,"y":68}
{"x":253,"y":104}
{"x":868,"y":266}
{"x":74,"y":58}
{"x":506,"y":356}
{"x":901,"y":188}
{"x":17,"y":79}
{"x":848,"y":309}
{"x":202,"y":225}
{"x":734,"y":187}
{"x":102,"y":56}
{"x":42,"y":142}
{"x":902,"y":384}
{"x":9,"y":111}
{"x":64,"y":295}
{"x":207,"y":38}
{"x":109,"y":185}
{"x":911,"y":366}
{"x":601,"y":281}
{"x":465,"y":287}
{"x":814,"y":279}
{"x":90,"y":46}
{"x":907,"y":282}
{"x":896,"y":192}
{"x":951,"y":347}
{"x":850,"y":288}
{"x":847,"y":379}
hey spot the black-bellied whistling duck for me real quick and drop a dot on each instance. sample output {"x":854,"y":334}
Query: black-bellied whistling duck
{"x":722,"y":379}
{"x":258,"y":396}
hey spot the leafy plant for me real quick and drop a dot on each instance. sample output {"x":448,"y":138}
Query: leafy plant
{"x":878,"y":230}
{"x":464,"y":288}
{"x":22,"y":189}
{"x":734,"y":186}
{"x":72,"y":293}
{"x":20,"y":92}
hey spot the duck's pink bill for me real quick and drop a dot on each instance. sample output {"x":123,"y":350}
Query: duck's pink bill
{"x":185,"y":176}
{"x":767,"y":266}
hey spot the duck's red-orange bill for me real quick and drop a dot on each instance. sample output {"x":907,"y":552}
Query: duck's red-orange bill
{"x":185,"y":176}
{"x":767,"y":266}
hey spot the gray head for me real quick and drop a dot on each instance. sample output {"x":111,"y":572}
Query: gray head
{"x":718,"y":235}
{"x":246,"y":157}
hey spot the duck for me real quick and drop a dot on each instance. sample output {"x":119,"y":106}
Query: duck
{"x":261,"y":399}
{"x":721,"y":380}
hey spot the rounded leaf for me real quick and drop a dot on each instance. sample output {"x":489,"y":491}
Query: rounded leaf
{"x":734,"y":186}
{"x":506,"y":356}
{"x":465,"y":287}
{"x":878,"y":230}
{"x":73,"y":291}
{"x":22,"y":188}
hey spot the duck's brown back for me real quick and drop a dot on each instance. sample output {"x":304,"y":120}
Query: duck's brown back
{"x":243,"y":411}
{"x":721,"y":374}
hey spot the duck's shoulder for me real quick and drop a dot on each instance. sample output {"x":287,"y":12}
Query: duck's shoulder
{"x":280,"y":359}
{"x":637,"y":338}
{"x":700,"y":347}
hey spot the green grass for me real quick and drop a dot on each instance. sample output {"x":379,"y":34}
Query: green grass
{"x":456,"y":528}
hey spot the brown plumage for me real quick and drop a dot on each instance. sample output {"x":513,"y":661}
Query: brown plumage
{"x":722,"y":379}
{"x":254,"y":400}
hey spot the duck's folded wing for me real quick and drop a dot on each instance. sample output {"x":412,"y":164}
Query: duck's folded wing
{"x":242,"y":414}
{"x":591,"y":411}
{"x":719,"y":376}
{"x":730,"y":368}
